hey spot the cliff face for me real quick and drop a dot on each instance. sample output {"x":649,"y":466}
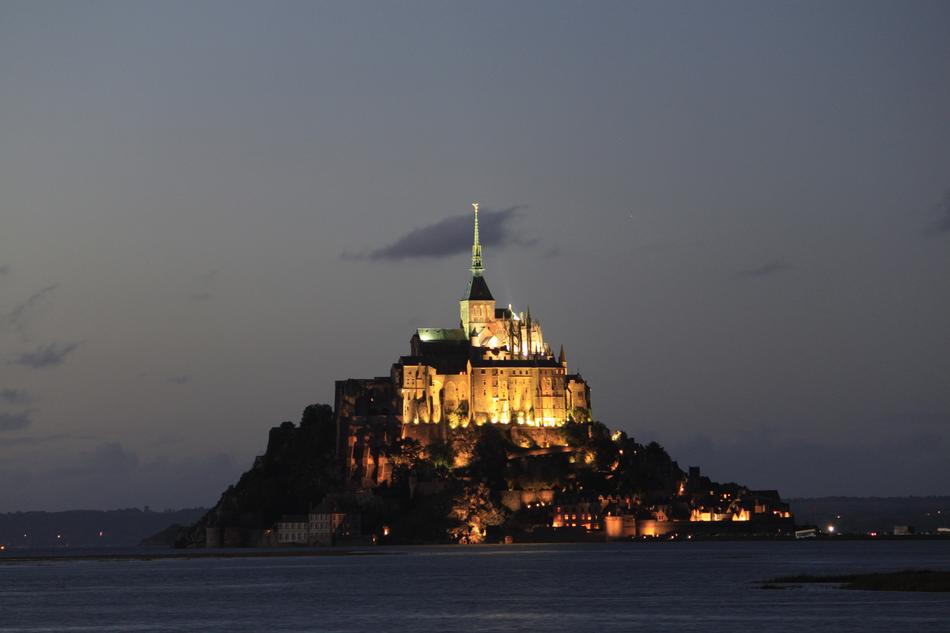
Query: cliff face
{"x":297,"y":471}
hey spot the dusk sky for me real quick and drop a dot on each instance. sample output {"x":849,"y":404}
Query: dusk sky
{"x":734,"y":215}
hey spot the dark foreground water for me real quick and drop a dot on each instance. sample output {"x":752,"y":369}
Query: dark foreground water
{"x":710,"y":586}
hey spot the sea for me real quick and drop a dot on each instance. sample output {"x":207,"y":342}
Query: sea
{"x":639,"y":586}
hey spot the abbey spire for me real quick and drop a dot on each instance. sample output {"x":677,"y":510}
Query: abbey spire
{"x":477,"y":268}
{"x":477,"y":307}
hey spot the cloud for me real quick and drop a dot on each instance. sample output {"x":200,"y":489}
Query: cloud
{"x":15,"y":421}
{"x":552,"y":252}
{"x":450,"y":236}
{"x":46,"y":356}
{"x":20,"y":315}
{"x":15,"y":396}
{"x":4,"y":270}
{"x":180,"y":380}
{"x":941,"y":226}
{"x":773,"y":267}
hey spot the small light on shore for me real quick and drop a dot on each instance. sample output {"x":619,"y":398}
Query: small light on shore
{"x":831,"y":529}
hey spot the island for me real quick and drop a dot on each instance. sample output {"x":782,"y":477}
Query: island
{"x":481,"y":433}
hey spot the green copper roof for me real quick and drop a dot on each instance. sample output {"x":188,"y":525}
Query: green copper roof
{"x":428,"y":334}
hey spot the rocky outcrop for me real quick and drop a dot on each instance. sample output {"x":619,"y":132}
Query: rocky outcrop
{"x":297,"y":471}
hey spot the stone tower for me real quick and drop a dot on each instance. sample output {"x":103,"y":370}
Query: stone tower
{"x":477,"y":307}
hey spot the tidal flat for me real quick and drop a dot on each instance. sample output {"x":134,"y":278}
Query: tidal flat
{"x":663,"y":586}
{"x":904,"y":580}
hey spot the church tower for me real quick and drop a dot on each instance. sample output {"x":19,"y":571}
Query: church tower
{"x":477,"y":307}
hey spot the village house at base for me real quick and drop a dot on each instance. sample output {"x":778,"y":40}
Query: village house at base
{"x":495,"y":368}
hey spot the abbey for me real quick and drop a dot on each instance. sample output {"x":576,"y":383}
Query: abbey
{"x":494,"y":368}
{"x":480,"y":432}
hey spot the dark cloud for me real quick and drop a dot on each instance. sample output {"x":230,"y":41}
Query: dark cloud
{"x":14,"y":396}
{"x":552,"y":252}
{"x":941,"y":226}
{"x":773,"y":267}
{"x":180,"y":380}
{"x":20,"y":315}
{"x":15,"y":421}
{"x":451,"y":236}
{"x":46,"y":356}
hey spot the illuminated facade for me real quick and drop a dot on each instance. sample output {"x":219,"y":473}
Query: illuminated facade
{"x":495,"y":368}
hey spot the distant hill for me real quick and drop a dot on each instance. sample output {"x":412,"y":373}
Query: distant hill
{"x":873,"y":514}
{"x":88,"y":528}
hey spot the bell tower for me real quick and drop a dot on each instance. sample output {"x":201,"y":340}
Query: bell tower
{"x":477,"y":307}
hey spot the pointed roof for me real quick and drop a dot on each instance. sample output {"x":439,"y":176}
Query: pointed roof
{"x":477,"y":290}
{"x":477,"y":268}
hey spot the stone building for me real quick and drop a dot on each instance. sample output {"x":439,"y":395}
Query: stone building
{"x":494,"y":368}
{"x":327,"y":527}
{"x":292,"y":530}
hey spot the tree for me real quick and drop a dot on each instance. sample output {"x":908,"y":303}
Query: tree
{"x":442,"y":456}
{"x":490,"y":459}
{"x":475,"y":512}
{"x":406,"y":454}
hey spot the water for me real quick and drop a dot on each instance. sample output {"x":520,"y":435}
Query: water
{"x":612,"y":587}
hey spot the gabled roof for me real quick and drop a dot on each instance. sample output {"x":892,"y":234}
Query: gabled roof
{"x":477,"y":290}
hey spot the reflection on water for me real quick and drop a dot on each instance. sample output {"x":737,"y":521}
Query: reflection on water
{"x":616,"y":587}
